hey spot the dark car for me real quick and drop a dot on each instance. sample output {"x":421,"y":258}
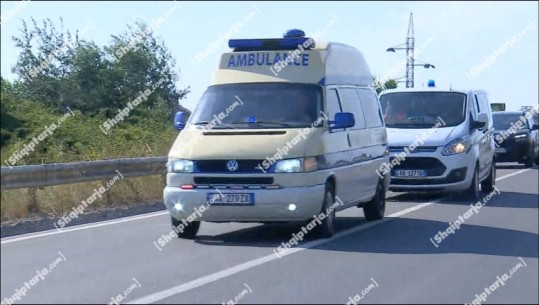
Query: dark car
{"x":516,"y":137}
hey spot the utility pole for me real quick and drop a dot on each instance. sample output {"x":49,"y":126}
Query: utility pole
{"x":410,"y":42}
{"x":410,"y":60}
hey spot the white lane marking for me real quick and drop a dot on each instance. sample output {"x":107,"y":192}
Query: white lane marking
{"x":161,"y":295}
{"x":513,"y":174}
{"x":8,"y":240}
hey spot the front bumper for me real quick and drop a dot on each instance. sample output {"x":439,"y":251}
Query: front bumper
{"x":447,"y":173}
{"x":512,"y":150}
{"x":270,"y":204}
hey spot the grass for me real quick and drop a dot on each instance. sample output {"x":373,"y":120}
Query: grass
{"x":55,"y":201}
{"x":147,"y":133}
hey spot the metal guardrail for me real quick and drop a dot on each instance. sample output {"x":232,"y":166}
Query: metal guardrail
{"x":66,"y":173}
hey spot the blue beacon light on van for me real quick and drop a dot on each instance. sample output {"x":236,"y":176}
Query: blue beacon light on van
{"x":291,"y":39}
{"x":294,"y":33}
{"x":431,"y":83}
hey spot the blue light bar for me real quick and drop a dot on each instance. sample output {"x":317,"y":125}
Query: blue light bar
{"x":431,"y":83}
{"x":268,"y":44}
{"x":244,"y":43}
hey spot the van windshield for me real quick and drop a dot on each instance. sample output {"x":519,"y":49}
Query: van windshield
{"x":258,"y":105}
{"x":423,"y":109}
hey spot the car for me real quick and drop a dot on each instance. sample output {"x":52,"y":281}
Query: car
{"x":305,"y":137}
{"x":439,"y":140}
{"x":517,"y":137}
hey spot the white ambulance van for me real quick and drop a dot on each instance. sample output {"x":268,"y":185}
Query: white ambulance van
{"x":289,"y":130}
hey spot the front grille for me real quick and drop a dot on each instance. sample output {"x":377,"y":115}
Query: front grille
{"x":234,"y":180}
{"x":417,"y":149}
{"x":220,"y":166}
{"x":432,"y":166}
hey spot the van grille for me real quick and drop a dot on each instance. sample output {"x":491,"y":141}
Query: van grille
{"x":433,"y":166}
{"x":417,"y":149}
{"x":219,"y":166}
{"x":234,"y":180}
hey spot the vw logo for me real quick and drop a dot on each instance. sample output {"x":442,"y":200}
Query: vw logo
{"x":232,"y":165}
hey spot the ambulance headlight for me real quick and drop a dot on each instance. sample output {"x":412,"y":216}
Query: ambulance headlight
{"x":180,"y":166}
{"x":288,"y":166}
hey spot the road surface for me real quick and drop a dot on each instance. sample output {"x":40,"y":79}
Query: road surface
{"x":397,"y":260}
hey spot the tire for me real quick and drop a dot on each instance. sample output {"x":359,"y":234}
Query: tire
{"x":487,"y":185}
{"x":189,"y":232}
{"x":376,"y":207}
{"x":530,"y":160}
{"x":472,"y":192}
{"x":327,"y":227}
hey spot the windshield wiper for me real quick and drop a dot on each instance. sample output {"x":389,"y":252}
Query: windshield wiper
{"x":397,"y":125}
{"x":220,"y":126}
{"x":265,"y":122}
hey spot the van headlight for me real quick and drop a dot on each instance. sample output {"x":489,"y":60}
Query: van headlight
{"x":179,"y":166}
{"x":457,"y":146}
{"x":288,"y":166}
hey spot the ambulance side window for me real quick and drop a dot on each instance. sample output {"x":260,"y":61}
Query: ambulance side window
{"x":333,"y":105}
{"x":371,"y":108}
{"x":351,"y":103}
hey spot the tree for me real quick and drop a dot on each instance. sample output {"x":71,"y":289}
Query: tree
{"x":389,"y":84}
{"x":61,"y":70}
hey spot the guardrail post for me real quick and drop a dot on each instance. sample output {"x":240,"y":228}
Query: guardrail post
{"x":107,"y":194}
{"x":32,"y":207}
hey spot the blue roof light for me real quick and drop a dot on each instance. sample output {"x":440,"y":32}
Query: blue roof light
{"x":290,"y":43}
{"x":294,"y":33}
{"x":244,"y":43}
{"x":431,"y":83}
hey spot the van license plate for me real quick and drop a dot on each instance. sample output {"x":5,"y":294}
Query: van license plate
{"x":411,"y":173}
{"x":231,"y":198}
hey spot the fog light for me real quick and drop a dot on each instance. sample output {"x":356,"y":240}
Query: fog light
{"x":291,"y":207}
{"x":178,"y":206}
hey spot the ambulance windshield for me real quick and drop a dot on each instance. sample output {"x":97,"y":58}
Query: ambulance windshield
{"x":259,"y":105}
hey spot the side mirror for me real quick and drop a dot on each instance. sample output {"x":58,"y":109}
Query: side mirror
{"x":535,"y":127}
{"x":179,"y":120}
{"x":482,"y":119}
{"x":342,"y":120}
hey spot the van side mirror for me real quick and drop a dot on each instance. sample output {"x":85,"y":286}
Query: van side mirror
{"x":180,"y":120}
{"x":342,"y":120}
{"x":482,"y":119}
{"x":535,"y":126}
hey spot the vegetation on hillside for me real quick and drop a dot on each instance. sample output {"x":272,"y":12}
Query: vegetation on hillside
{"x":61,"y":74}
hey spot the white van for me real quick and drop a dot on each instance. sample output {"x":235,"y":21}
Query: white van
{"x":439,"y":140}
{"x":289,"y":130}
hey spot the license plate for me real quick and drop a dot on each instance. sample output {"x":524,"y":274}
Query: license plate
{"x":231,"y":198}
{"x":410,"y":173}
{"x":501,"y":150}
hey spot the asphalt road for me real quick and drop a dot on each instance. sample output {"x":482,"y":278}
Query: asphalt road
{"x":396,"y":260}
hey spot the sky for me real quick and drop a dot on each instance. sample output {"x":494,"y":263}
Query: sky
{"x":491,"y":46}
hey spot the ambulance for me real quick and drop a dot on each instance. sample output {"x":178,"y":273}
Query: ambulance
{"x":289,"y":130}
